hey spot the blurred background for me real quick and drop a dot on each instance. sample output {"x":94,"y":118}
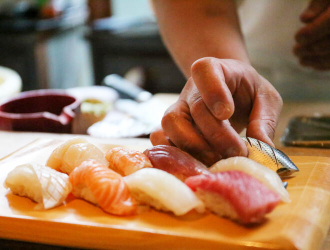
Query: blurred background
{"x":76,"y":45}
{"x":59,"y":44}
{"x":83,"y":47}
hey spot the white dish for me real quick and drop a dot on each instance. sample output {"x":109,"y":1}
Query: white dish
{"x":10,"y":83}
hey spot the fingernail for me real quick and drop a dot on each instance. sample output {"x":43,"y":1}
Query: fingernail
{"x":220,"y":109}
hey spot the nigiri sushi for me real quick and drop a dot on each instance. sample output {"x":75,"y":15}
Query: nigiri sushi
{"x":55,"y":159}
{"x":72,"y":153}
{"x":235,"y":195}
{"x":41,"y":184}
{"x":126,"y":161}
{"x":175,"y":161}
{"x":102,"y":186}
{"x":258,"y":171}
{"x":162,"y":191}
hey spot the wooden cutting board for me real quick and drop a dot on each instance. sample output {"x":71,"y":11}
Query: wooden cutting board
{"x":302,"y":224}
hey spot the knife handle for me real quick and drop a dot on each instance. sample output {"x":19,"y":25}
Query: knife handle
{"x":126,"y":89}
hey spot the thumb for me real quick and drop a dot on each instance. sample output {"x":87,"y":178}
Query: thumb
{"x":314,"y":9}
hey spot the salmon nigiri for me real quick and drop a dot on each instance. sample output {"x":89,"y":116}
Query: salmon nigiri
{"x":102,"y":186}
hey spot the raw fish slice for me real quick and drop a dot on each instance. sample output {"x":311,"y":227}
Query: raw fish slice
{"x":163,"y":191}
{"x":270,"y":157}
{"x":42,"y":184}
{"x":78,"y":153}
{"x":252,"y":168}
{"x":73,"y":154}
{"x":102,"y":186}
{"x":126,"y":161}
{"x":175,"y":161}
{"x":234,"y":194}
{"x":55,"y":159}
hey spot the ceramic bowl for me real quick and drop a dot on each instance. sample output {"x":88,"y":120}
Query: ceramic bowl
{"x":39,"y":111}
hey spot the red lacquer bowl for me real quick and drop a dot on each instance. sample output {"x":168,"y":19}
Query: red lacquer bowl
{"x":39,"y":111}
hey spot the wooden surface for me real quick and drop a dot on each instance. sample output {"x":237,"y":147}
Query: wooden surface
{"x":11,"y":142}
{"x":302,"y":224}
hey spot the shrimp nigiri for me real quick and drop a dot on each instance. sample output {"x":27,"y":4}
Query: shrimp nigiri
{"x":41,"y":184}
{"x":258,"y":171}
{"x":162,"y":191}
{"x":126,"y":161}
{"x":102,"y":186}
{"x":72,"y":153}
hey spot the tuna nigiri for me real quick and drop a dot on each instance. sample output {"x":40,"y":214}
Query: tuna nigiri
{"x":72,"y":153}
{"x":265,"y":175}
{"x":126,"y":161}
{"x":102,"y":186}
{"x":162,"y":191}
{"x":234,"y":194}
{"x":42,"y":184}
{"x":175,"y":161}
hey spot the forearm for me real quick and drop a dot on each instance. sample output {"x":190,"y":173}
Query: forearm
{"x":192,"y":29}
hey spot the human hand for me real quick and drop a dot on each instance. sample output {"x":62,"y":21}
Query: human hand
{"x":313,"y":40}
{"x":221,"y":98}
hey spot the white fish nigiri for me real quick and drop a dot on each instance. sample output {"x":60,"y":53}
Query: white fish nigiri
{"x":72,"y":153}
{"x":252,"y":168}
{"x":42,"y":184}
{"x":162,"y":191}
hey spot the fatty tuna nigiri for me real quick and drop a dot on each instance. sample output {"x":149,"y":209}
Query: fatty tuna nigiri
{"x":234,"y":194}
{"x":42,"y":184}
{"x":126,"y":161}
{"x":102,"y":186}
{"x":72,"y":153}
{"x":265,"y":175}
{"x":162,"y":191}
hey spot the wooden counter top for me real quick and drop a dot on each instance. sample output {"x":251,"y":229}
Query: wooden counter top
{"x":12,"y":141}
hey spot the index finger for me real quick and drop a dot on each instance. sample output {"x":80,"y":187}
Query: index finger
{"x":211,"y":83}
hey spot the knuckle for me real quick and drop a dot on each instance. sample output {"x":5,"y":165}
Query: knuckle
{"x":170,"y":117}
{"x":197,"y":106}
{"x":250,"y":69}
{"x":277,"y":98}
{"x":271,"y":127}
{"x":269,"y":93}
{"x":187,"y":146}
{"x":154,"y":138}
{"x":217,"y":136}
{"x":174,"y":114}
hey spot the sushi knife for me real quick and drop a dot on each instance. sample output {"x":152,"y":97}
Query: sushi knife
{"x":126,"y":89}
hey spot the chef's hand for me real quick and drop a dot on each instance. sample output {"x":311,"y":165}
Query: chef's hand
{"x":220,"y":99}
{"x":313,"y":39}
